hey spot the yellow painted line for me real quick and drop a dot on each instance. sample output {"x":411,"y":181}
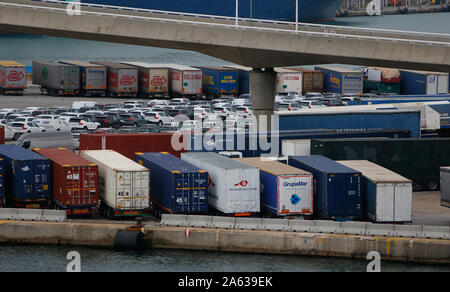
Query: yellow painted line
{"x":4,"y":221}
{"x":191,"y":188}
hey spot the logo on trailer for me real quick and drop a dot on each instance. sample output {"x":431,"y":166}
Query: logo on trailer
{"x":127,"y":80}
{"x":158,"y":81}
{"x":210,"y":182}
{"x":295,"y":199}
{"x":243,"y":183}
{"x":15,"y":76}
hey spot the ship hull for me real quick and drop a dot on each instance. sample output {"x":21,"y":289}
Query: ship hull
{"x":282,"y":10}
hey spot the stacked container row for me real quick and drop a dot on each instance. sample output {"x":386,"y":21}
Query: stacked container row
{"x":13,"y":77}
{"x":445,"y":186}
{"x":74,"y":183}
{"x":123,"y":187}
{"x":27,"y":177}
{"x":387,"y":196}
{"x":337,"y":188}
{"x":285,"y":190}
{"x":233,"y":187}
{"x":176,"y":186}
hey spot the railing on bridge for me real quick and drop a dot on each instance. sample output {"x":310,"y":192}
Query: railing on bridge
{"x":242,"y":22}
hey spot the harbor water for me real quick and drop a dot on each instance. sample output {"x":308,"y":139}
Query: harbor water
{"x":24,"y":49}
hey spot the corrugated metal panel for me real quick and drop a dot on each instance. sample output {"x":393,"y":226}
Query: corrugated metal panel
{"x":177,"y":186}
{"x":445,"y":186}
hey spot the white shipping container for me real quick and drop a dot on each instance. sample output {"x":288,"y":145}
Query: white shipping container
{"x":289,"y":81}
{"x":123,"y":183}
{"x":300,"y":147}
{"x":285,"y":190}
{"x":387,"y":195}
{"x":233,"y":187}
{"x":12,"y":75}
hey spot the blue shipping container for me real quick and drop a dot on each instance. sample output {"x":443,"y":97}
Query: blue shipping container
{"x":2,"y":183}
{"x":402,"y":99}
{"x":175,"y":185}
{"x":27,"y":177}
{"x":243,"y":79}
{"x":363,"y":121}
{"x":341,"y":80}
{"x":253,"y":148}
{"x":426,"y":83}
{"x":337,"y":188}
{"x":220,"y":81}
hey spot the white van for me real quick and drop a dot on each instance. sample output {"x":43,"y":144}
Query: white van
{"x":46,"y":140}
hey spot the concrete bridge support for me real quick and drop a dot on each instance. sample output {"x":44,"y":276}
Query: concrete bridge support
{"x":262,"y":90}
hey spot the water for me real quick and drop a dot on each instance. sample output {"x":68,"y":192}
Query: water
{"x":53,"y":259}
{"x":25,"y":49}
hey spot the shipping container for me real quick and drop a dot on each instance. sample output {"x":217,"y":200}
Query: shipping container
{"x":92,"y":78}
{"x":379,"y":80}
{"x":445,"y":186}
{"x":56,"y":79}
{"x":233,"y":187}
{"x":153,"y":80}
{"x":285,"y":190}
{"x":27,"y":178}
{"x":243,"y":78}
{"x":2,"y":135}
{"x":416,"y":159}
{"x":250,"y":145}
{"x":177,"y":186}
{"x":402,"y":99}
{"x":387,"y":196}
{"x":366,"y":120}
{"x":129,"y":144}
{"x":422,"y":82}
{"x":219,"y":81}
{"x":185,"y":81}
{"x":2,"y":183}
{"x":289,"y":81}
{"x":123,"y":187}
{"x":13,"y":77}
{"x":122,"y":80}
{"x":341,"y":80}
{"x":337,"y":188}
{"x":74,"y":181}
{"x":312,"y":79}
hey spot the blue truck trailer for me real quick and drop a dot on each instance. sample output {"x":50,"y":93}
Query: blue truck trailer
{"x":219,"y":81}
{"x":337,"y":188}
{"x":421,"y":82}
{"x":356,"y":120}
{"x":27,"y":178}
{"x":400,"y":99}
{"x":177,"y":187}
{"x":341,"y":80}
{"x":2,"y":183}
{"x":243,"y":78}
{"x":249,"y":144}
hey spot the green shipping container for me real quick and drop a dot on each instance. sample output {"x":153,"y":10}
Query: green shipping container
{"x":377,"y":87}
{"x":416,"y":159}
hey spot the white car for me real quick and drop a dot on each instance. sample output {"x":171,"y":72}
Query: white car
{"x":47,"y":117}
{"x":31,"y":109}
{"x":314,"y":95}
{"x":80,"y":124}
{"x":160,"y":118}
{"x":244,"y":111}
{"x":204,"y":114}
{"x":311,"y":104}
{"x":24,"y":119}
{"x":54,"y":125}
{"x":10,"y":133}
{"x":154,"y":102}
{"x":24,"y":128}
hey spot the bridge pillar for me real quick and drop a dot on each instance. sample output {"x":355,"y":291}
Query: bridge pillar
{"x":262,"y":90}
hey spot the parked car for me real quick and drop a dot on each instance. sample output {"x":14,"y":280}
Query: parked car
{"x":287,"y":106}
{"x":160,"y":118}
{"x":311,"y":104}
{"x":10,"y":133}
{"x":331,"y":101}
{"x":80,"y":124}
{"x":53,"y":125}
{"x":29,"y":127}
{"x":132,"y":119}
{"x":313,"y":95}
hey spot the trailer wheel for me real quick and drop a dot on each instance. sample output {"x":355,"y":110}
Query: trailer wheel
{"x":417,"y":186}
{"x":109,"y":213}
{"x":433,"y":185}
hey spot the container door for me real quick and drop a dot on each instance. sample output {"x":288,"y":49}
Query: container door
{"x":73,"y":187}
{"x":140,"y":192}
{"x":96,"y":78}
{"x":183,"y":200}
{"x":384,"y":203}
{"x":351,"y":204}
{"x":432,"y":84}
{"x":88,"y":186}
{"x":158,"y":80}
{"x":295,"y":195}
{"x":124,"y":190}
{"x":403,"y":203}
{"x":16,"y":77}
{"x":442,"y":84}
{"x":192,"y":82}
{"x":128,"y":80}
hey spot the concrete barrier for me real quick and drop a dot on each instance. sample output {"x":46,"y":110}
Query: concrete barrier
{"x":223,"y":222}
{"x":243,"y":223}
{"x":379,"y":229}
{"x":8,"y":213}
{"x":414,"y":231}
{"x":199,"y":221}
{"x":174,"y":220}
{"x":54,"y":215}
{"x":301,"y":225}
{"x":436,"y":232}
{"x":325,"y":226}
{"x":353,"y":227}
{"x":29,"y":214}
{"x":275,"y":224}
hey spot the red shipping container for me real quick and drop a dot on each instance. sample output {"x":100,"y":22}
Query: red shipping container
{"x":2,"y":135}
{"x":74,"y":181}
{"x":129,"y":144}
